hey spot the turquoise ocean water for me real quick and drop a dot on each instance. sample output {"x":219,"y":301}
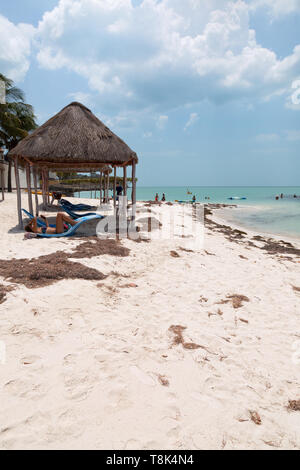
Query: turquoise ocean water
{"x":260,"y":211}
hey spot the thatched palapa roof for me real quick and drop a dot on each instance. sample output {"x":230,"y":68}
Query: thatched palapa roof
{"x":71,"y":138}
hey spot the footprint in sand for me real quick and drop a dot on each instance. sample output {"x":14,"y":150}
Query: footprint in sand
{"x":77,"y":388}
{"x":142,"y":377}
{"x":173,"y":413}
{"x":79,"y":381}
{"x":69,"y":359}
{"x":132,"y":444}
{"x":24,"y":389}
{"x":207,"y":400}
{"x":102,"y":357}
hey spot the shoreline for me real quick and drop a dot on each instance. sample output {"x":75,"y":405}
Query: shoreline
{"x":253,"y":231}
{"x":253,"y":206}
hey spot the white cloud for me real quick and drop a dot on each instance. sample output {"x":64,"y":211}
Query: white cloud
{"x":292,"y":135}
{"x":15,"y":48}
{"x":81,"y":97}
{"x":192,"y":119}
{"x":293,"y":100}
{"x":267,"y":137}
{"x":278,"y":7}
{"x":158,"y":55}
{"x":162,"y":54}
{"x":147,"y":135}
{"x":162,"y":121}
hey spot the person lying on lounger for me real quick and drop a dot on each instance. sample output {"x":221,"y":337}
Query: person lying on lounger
{"x":60,"y":226}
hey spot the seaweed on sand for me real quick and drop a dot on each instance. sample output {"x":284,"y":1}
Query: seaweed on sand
{"x":270,"y":245}
{"x":236,"y":300}
{"x":294,"y":405}
{"x":95,"y":246}
{"x":255,"y":417}
{"x":178,"y":337}
{"x":3,"y":292}
{"x":47,"y":269}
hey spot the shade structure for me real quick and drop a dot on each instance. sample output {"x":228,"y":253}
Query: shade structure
{"x":75,"y":136}
{"x":74,"y":139}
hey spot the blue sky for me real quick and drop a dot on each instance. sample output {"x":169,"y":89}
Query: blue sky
{"x":207,"y":92}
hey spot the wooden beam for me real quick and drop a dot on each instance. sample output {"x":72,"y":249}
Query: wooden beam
{"x":71,"y":165}
{"x":36,"y":194}
{"x":28,"y":179}
{"x":19,"y":197}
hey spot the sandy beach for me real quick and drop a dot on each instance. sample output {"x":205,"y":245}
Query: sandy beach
{"x":170,"y":348}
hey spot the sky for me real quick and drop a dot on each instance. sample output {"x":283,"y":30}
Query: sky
{"x":206,"y":92}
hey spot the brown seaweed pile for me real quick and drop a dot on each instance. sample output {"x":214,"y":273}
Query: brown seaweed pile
{"x":3,"y":292}
{"x":95,"y":246}
{"x":255,"y":417}
{"x":275,"y":247}
{"x":294,"y":405}
{"x":152,"y":203}
{"x":47,"y":269}
{"x":236,"y":300}
{"x":270,"y":245}
{"x":177,"y":330}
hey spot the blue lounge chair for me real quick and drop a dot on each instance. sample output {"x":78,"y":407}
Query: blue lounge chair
{"x":73,"y":214}
{"x":40,"y":223}
{"x":72,"y":229}
{"x":76,"y":207}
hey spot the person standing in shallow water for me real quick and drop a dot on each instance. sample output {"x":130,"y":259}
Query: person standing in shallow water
{"x":156,"y":197}
{"x":163,"y":197}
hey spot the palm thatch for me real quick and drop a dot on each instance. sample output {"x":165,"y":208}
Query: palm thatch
{"x":74,"y":136}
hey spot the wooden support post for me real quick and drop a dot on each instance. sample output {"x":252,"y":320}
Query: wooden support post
{"x":2,"y":183}
{"x":107,"y":188}
{"x":47,"y":187}
{"x":36,"y":192}
{"x":125,"y":180}
{"x":104,"y":187}
{"x":28,"y":179}
{"x":44,"y":190}
{"x":133,"y":194}
{"x":115,"y":184}
{"x":19,"y":197}
{"x":100,"y":189}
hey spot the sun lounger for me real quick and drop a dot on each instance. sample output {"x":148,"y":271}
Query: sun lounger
{"x":40,"y":223}
{"x":73,"y":214}
{"x":72,"y":229}
{"x":76,"y":207}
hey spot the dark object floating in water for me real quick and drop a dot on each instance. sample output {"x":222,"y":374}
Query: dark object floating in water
{"x":236,"y":198}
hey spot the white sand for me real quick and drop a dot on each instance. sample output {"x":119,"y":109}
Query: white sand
{"x":83,"y":362}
